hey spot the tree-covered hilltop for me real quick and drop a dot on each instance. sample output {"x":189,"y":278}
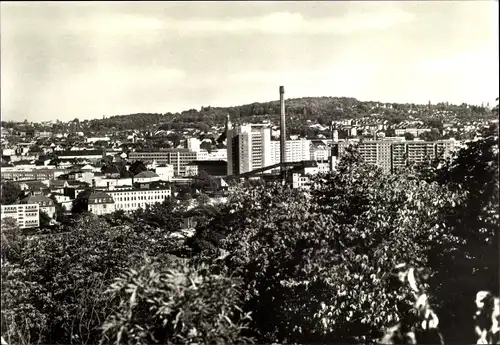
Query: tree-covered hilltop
{"x":320,"y":110}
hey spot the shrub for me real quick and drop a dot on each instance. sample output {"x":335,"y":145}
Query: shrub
{"x":175,"y":304}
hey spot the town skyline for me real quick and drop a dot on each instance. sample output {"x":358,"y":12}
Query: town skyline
{"x":69,"y":60}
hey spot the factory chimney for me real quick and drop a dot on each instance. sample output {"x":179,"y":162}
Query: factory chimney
{"x":282,"y":128}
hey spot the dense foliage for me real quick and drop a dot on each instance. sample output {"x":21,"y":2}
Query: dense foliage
{"x":9,"y":192}
{"x":271,"y":264}
{"x":175,"y":304}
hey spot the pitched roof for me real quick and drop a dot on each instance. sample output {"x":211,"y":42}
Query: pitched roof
{"x":99,"y":197}
{"x":36,"y":199}
{"x":57,"y":183}
{"x":34,"y":185}
{"x":146,"y":174}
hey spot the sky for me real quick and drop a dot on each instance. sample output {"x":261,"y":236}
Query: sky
{"x":66,"y":60}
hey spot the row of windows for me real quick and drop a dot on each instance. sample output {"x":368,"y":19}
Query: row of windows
{"x":134,"y":205}
{"x":141,"y":197}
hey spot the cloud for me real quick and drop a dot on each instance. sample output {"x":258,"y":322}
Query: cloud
{"x":281,"y":23}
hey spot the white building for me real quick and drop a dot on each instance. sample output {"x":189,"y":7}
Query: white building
{"x":215,"y":155}
{"x":165,"y":172}
{"x":248,"y":148}
{"x":146,"y":177}
{"x":111,"y":182}
{"x":300,"y":176}
{"x":25,"y":215}
{"x":193,"y":144}
{"x":100,"y":203}
{"x":131,"y":199}
{"x":296,"y":151}
{"x":96,"y":139}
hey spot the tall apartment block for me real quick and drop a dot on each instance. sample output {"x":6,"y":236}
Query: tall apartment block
{"x":296,"y":150}
{"x":393,"y":154}
{"x":248,"y":148}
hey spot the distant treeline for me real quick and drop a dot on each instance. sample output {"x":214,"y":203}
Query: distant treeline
{"x":320,"y":110}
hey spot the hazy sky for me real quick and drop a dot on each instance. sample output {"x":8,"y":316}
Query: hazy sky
{"x":85,"y":60}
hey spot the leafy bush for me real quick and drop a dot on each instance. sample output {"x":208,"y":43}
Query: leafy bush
{"x":56,"y":282}
{"x":175,"y":304}
{"x":318,"y":266}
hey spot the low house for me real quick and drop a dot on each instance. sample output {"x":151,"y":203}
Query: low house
{"x":57,"y":186}
{"x":35,"y":187}
{"x":146,"y":177}
{"x":100,"y":203}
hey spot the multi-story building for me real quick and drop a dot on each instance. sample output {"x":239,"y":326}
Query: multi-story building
{"x":296,"y":150}
{"x":299,"y":177}
{"x":91,"y":155}
{"x":319,"y":150}
{"x":413,"y":131}
{"x":130,"y":199}
{"x":392,"y":154}
{"x":177,"y":157}
{"x":25,"y":215}
{"x":193,"y":144}
{"x":248,"y":148}
{"x":38,"y":174}
{"x":100,"y":203}
{"x":214,"y":155}
{"x":166,"y":172}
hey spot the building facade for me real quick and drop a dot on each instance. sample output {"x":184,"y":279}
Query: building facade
{"x":178,"y":158}
{"x":100,"y":203}
{"x":25,"y":215}
{"x":131,"y":199}
{"x":296,"y":150}
{"x":248,"y":148}
{"x":392,"y":154}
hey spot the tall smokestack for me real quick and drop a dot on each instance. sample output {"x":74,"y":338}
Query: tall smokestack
{"x":282,"y":127}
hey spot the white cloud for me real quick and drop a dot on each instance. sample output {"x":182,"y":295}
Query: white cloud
{"x":294,"y":23}
{"x":288,"y":23}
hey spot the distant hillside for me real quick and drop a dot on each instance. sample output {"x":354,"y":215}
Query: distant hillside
{"x":299,"y":110}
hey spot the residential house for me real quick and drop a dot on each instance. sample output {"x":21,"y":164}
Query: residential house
{"x":100,"y":203}
{"x":45,"y":203}
{"x":36,"y":187}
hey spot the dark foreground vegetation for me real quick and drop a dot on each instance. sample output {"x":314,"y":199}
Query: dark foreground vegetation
{"x":271,"y":265}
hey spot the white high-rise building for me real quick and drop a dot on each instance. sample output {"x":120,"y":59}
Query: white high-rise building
{"x":193,"y":144}
{"x":248,"y":147}
{"x":296,"y":151}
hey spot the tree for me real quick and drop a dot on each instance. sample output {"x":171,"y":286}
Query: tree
{"x":470,"y":263}
{"x":326,"y":256}
{"x":167,"y":215}
{"x":81,"y":202}
{"x":55,"y":285}
{"x":45,"y":220}
{"x":177,"y":304}
{"x":9,"y":192}
{"x":409,"y":136}
{"x":433,"y":135}
{"x":137,"y":167}
{"x":206,"y":145}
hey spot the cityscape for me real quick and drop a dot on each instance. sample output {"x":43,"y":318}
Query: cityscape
{"x":292,"y":220}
